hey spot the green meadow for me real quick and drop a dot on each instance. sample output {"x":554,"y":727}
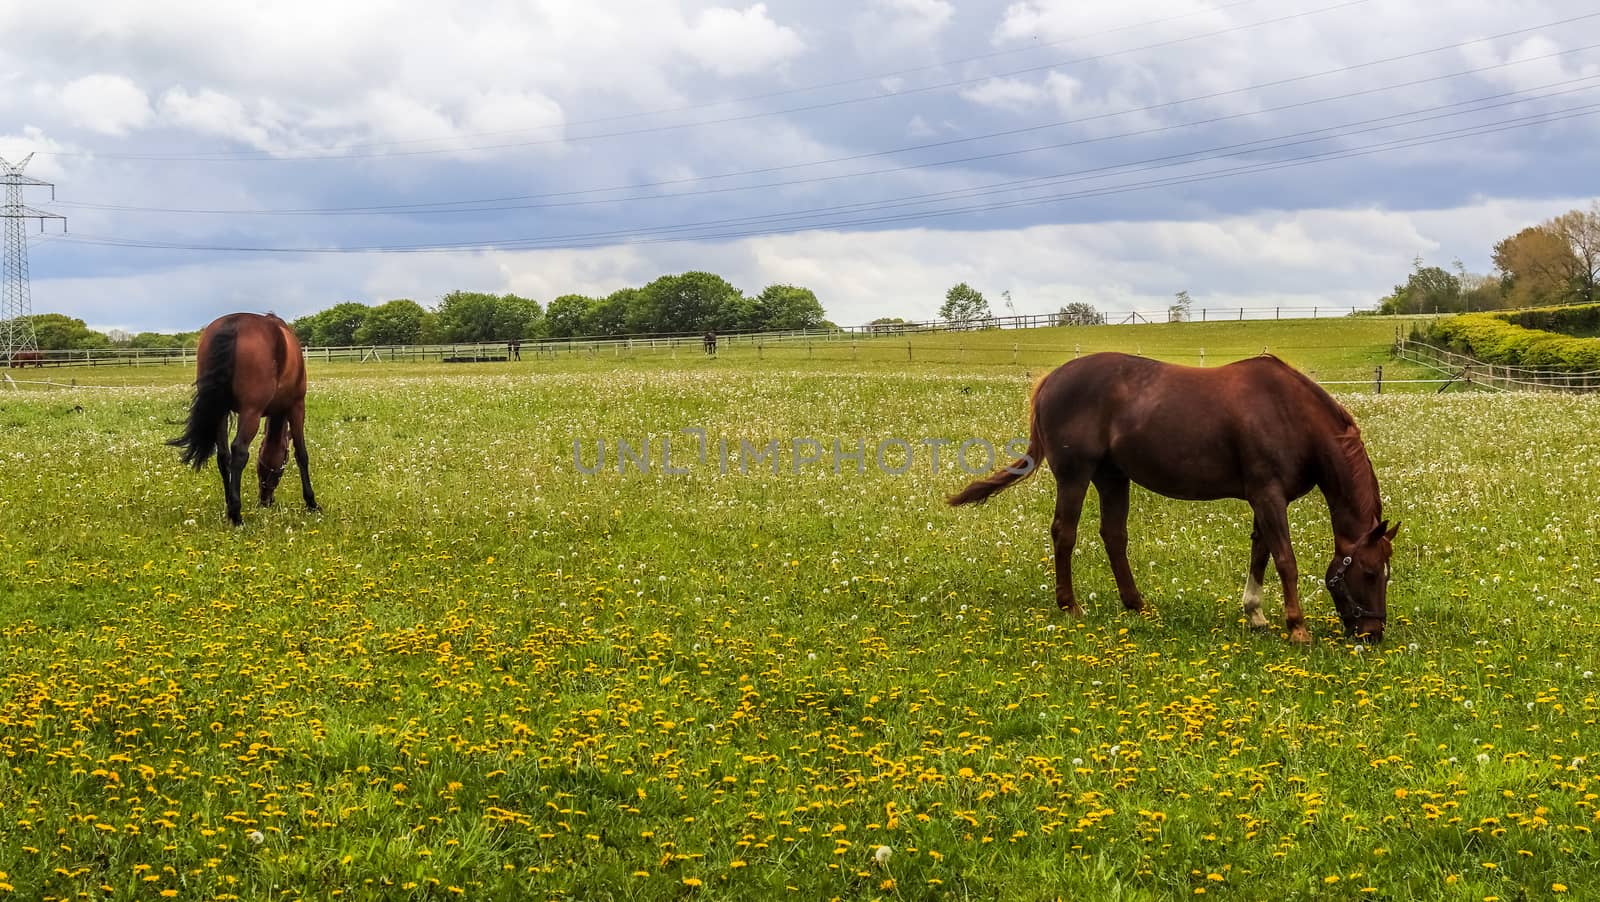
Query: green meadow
{"x":484,"y":672}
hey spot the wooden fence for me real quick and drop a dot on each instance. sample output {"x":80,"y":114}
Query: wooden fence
{"x":1475,"y":373}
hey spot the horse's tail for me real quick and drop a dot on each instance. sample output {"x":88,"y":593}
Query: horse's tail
{"x":213,"y":398}
{"x":1016,"y":471}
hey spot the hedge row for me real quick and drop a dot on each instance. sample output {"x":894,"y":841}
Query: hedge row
{"x":1520,"y":338}
{"x":1582,"y":320}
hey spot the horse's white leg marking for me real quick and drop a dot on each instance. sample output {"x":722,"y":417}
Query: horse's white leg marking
{"x":1252,"y":603}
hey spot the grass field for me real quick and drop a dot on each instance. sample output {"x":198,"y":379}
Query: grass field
{"x":482,"y":672}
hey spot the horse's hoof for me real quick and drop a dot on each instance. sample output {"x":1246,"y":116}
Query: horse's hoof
{"x":1136,"y":605}
{"x":1261,"y":627}
{"x":314,"y":508}
{"x":1300,"y":636}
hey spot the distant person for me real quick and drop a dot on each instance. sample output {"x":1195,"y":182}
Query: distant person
{"x":514,"y":349}
{"x":711,"y":343}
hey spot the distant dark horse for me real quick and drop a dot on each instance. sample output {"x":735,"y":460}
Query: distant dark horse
{"x":23,"y":358}
{"x":250,"y":365}
{"x":1256,"y":429}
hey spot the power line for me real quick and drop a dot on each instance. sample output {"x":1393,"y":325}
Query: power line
{"x":657,"y":234}
{"x":267,"y":157}
{"x":367,"y":211}
{"x":450,"y":206}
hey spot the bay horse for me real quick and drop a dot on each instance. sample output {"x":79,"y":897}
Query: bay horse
{"x":251,"y":365}
{"x":23,"y":358}
{"x":1256,"y":429}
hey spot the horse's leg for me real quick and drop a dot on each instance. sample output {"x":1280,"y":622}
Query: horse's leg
{"x":1064,"y":534}
{"x":1272,"y":515}
{"x":1258,"y":572}
{"x":1113,"y":492}
{"x":302,"y":460}
{"x":238,"y":456}
{"x":223,"y":455}
{"x":274,"y":453}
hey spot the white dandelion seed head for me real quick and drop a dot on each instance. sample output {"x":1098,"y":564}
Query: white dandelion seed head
{"x":256,"y":837}
{"x":882,"y":854}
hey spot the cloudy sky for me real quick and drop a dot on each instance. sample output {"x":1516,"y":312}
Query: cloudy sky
{"x":216,"y":155}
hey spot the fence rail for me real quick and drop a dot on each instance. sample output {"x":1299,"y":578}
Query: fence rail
{"x":545,"y":347}
{"x":1470,"y":371}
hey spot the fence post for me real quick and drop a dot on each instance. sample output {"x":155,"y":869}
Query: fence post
{"x":1277,"y":313}
{"x":1202,"y":356}
{"x":1241,"y":314}
{"x":908,"y":350}
{"x":1013,"y":353}
{"x":1377,"y":380}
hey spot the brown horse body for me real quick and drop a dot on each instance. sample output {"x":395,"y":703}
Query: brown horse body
{"x":1256,"y":430}
{"x":250,"y":365}
{"x":23,"y":358}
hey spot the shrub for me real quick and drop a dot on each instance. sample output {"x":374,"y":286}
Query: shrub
{"x":1525,"y":337}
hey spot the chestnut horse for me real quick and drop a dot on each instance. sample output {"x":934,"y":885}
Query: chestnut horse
{"x":1256,"y":429}
{"x":23,"y":358}
{"x":250,"y":365}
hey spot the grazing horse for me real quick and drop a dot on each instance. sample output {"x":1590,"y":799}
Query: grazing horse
{"x":23,"y":358}
{"x":1256,"y":429}
{"x":250,"y":365}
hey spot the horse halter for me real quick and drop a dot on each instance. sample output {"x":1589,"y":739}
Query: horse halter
{"x":1335,"y":585}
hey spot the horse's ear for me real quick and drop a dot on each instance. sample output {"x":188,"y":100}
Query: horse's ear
{"x":1392,"y":530}
{"x":1379,"y":531}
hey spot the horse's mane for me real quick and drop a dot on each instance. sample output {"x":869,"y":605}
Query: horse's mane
{"x":1363,"y":482}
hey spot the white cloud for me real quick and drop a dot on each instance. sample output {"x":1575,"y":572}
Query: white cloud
{"x":1006,"y":94}
{"x":215,"y":114}
{"x":108,"y":104}
{"x":903,"y":24}
{"x":1331,"y":258}
{"x":733,"y":42}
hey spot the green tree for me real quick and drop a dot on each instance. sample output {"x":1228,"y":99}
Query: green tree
{"x":159,"y":340}
{"x":964,"y":305}
{"x":59,"y":332}
{"x":689,"y":302}
{"x":467,"y":316}
{"x":334,"y":327}
{"x":1079,"y":313}
{"x":517,"y":317}
{"x":398,"y":322}
{"x":887,"y":323}
{"x":612,"y":314}
{"x":1429,"y":289}
{"x":780,"y":308}
{"x":564,"y":317}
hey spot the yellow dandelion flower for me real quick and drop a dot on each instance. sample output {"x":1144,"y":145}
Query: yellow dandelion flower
{"x":691,"y":881}
{"x":1558,"y":887}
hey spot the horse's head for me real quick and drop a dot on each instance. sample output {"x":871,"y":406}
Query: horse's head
{"x":1358,"y":580}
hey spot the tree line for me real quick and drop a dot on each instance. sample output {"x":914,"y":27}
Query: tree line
{"x":691,"y":302}
{"x":1554,"y":262}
